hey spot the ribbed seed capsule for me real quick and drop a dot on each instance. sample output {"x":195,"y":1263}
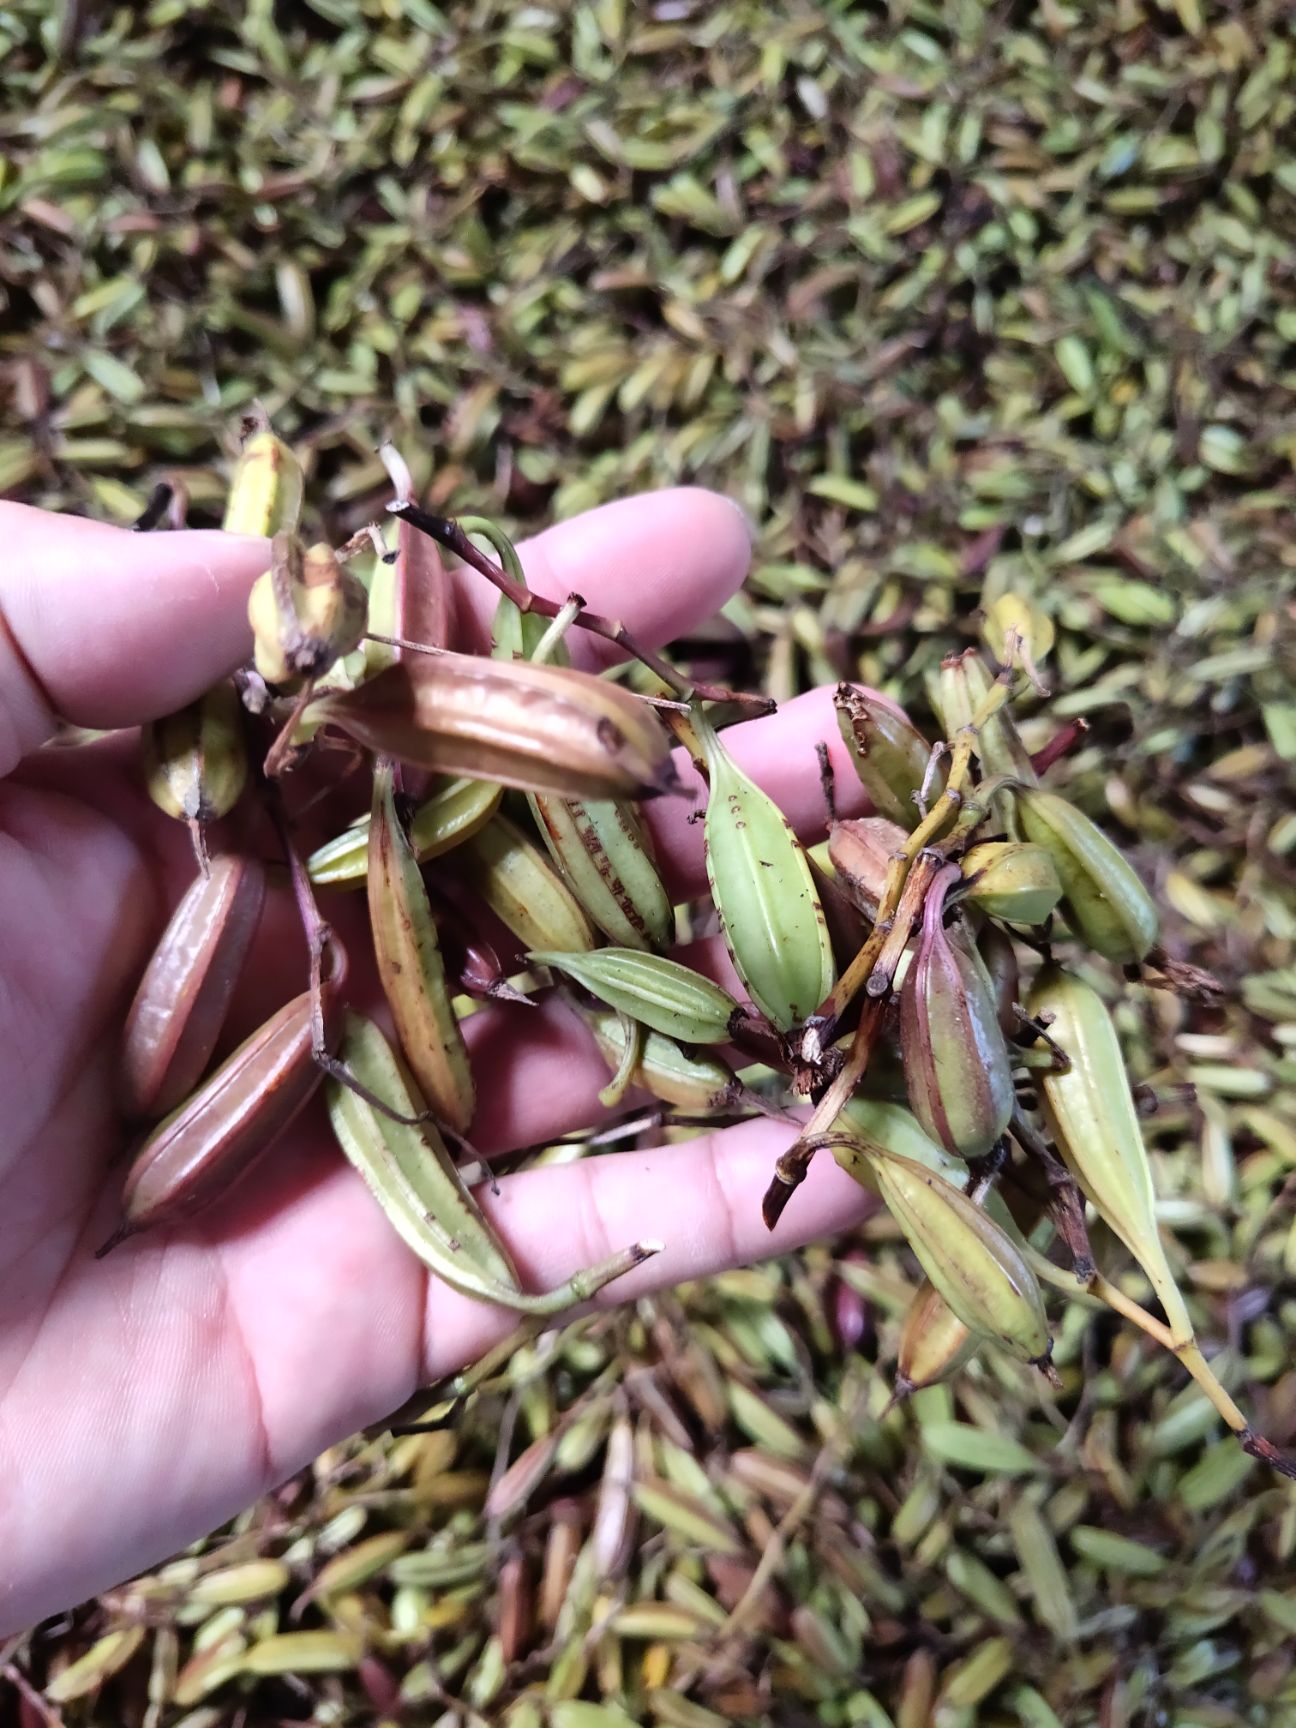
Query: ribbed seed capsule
{"x":890,"y":754}
{"x":667,"y":997}
{"x":195,"y":763}
{"x":539,"y":728}
{"x":306,"y":611}
{"x":265,"y":495}
{"x":970,"y":1259}
{"x":519,"y":884}
{"x":1012,"y":880}
{"x":1016,"y":630}
{"x":964,"y":684}
{"x":423,"y":1197}
{"x":197,"y":1154}
{"x":180,"y":1006}
{"x":956,"y":1061}
{"x":861,"y":850}
{"x":687,"y":1079}
{"x":934,"y":1343}
{"x":764,"y":892}
{"x":606,"y":858}
{"x":1103,"y":899}
{"x":1092,"y":1118}
{"x":874,"y":1125}
{"x":449,"y":815}
{"x":410,"y":967}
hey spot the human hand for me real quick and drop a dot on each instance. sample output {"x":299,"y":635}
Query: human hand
{"x":149,"y":1396}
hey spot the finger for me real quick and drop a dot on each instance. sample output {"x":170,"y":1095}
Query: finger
{"x":701,"y":1199}
{"x":779,"y":753}
{"x":663,"y":562}
{"x":104,"y":627}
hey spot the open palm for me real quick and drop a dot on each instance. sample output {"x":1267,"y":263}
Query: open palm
{"x":146,"y":1397}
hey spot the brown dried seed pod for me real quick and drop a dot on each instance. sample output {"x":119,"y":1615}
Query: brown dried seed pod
{"x":182,"y":999}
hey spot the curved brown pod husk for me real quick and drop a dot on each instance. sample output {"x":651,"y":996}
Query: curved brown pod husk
{"x":538,"y":728}
{"x":180,"y":1005}
{"x":197,"y":1154}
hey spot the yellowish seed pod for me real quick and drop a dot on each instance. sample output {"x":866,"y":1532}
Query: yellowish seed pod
{"x":195,"y":763}
{"x":306,"y":612}
{"x":1018,"y":631}
{"x":934,"y":1343}
{"x":266,"y":492}
{"x":1012,"y":880}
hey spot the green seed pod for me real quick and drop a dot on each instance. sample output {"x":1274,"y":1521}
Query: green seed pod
{"x":763,"y":889}
{"x":452,"y":813}
{"x":664,"y":995}
{"x":522,"y":888}
{"x":964,"y":684}
{"x":1103,"y":899}
{"x":861,"y":850}
{"x":688,"y":1079}
{"x":195,"y":763}
{"x":1093,"y":1120}
{"x":606,"y":858}
{"x":970,"y":1259}
{"x":874,"y":1125}
{"x":890,"y":754}
{"x":956,"y":1061}
{"x":1012,"y":880}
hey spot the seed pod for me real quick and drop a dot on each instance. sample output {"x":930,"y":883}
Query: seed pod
{"x":540,"y":728}
{"x":667,"y":997}
{"x":1016,"y":630}
{"x":180,"y":1005}
{"x":605,"y":856}
{"x":874,"y":1125}
{"x":306,"y":611}
{"x":1092,"y":1118}
{"x":412,"y":1177}
{"x":764,"y":892}
{"x":194,"y":760}
{"x":1012,"y":880}
{"x":970,"y":1259}
{"x":197,"y":1154}
{"x":890,"y":754}
{"x":934,"y":1343}
{"x":685,"y":1078}
{"x":956,"y":1061}
{"x":410,"y":967}
{"x":453,"y":813}
{"x":861,"y":850}
{"x":522,"y":888}
{"x":1104,"y":901}
{"x":265,"y":494}
{"x":964,"y":685}
{"x":999,"y":958}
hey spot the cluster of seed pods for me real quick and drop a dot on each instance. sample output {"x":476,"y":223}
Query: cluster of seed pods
{"x":898,"y":988}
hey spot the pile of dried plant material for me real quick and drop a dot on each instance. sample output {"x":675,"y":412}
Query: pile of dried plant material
{"x":988,"y":323}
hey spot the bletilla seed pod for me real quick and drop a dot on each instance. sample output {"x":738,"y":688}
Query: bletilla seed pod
{"x":763,"y":889}
{"x":1018,"y":631}
{"x":875,"y":1126}
{"x":306,"y":611}
{"x":964,"y":685}
{"x":1012,"y":880}
{"x":667,"y":997}
{"x":688,"y":1079}
{"x":861,"y":850}
{"x":606,"y":858}
{"x":1094,"y":1123}
{"x":453,"y":813}
{"x":999,"y":958}
{"x":523,"y":890}
{"x":410,"y":967}
{"x":956,"y":1061}
{"x":1105,"y":903}
{"x":194,"y":761}
{"x":539,"y":728}
{"x":934,"y":1343}
{"x":890,"y":754}
{"x":180,"y":1005}
{"x":197,"y":1154}
{"x":970,"y":1259}
{"x":265,"y":494}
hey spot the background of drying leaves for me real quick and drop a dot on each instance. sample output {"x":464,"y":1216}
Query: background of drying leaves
{"x":945,"y":294}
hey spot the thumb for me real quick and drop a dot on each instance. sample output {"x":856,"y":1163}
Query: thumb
{"x":103,"y":627}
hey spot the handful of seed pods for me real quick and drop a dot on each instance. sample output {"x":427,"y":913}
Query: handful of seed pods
{"x":881,"y":969}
